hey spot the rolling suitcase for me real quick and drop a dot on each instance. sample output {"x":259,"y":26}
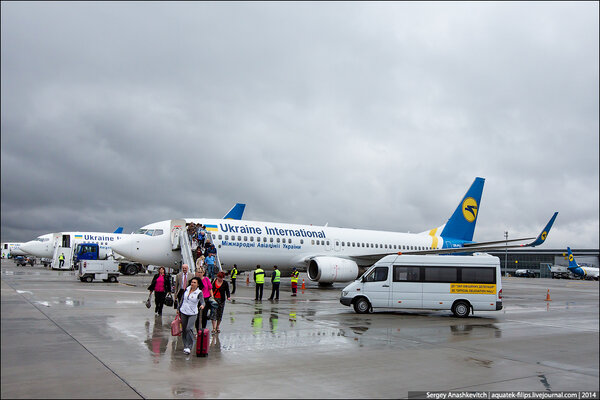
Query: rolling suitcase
{"x":202,"y":343}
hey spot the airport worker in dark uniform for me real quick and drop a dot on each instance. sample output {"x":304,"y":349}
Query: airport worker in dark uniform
{"x":234,"y":273}
{"x":275,"y":279}
{"x":259,"y":279}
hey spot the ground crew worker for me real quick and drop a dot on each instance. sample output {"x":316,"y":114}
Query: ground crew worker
{"x":234,"y":273}
{"x":295,"y":275}
{"x":61,"y":260}
{"x":275,"y":279}
{"x":259,"y":279}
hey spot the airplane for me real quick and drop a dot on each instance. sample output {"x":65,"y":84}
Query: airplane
{"x":12,"y":249}
{"x":328,"y":254}
{"x":51,"y":245}
{"x":580,"y":270}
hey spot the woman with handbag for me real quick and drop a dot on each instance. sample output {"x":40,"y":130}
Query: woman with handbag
{"x":188,"y":312}
{"x":161,"y":285}
{"x":221,"y":292}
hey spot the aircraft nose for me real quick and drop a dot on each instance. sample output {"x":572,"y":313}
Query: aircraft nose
{"x":30,"y":247}
{"x":124,"y":246}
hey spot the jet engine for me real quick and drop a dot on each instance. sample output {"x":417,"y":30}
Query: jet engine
{"x":332,"y":269}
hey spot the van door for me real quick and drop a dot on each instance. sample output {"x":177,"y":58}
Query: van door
{"x":407,"y":288}
{"x":376,"y":286}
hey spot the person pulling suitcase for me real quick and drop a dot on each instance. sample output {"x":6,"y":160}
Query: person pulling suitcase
{"x":188,"y":312}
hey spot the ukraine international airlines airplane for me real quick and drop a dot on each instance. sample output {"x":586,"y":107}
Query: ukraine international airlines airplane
{"x":328,"y":254}
{"x":51,"y":245}
{"x":581,"y":270}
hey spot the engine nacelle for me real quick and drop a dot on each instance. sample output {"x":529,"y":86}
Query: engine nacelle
{"x":332,"y":269}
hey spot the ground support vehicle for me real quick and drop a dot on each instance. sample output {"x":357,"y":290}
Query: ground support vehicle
{"x":130,"y":268}
{"x":462,"y":284}
{"x":89,"y":267}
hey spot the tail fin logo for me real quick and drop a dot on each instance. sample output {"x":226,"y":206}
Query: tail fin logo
{"x":544,"y":235}
{"x":469,"y":209}
{"x":570,"y":257}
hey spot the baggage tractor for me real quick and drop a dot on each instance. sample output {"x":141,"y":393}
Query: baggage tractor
{"x":202,"y":343}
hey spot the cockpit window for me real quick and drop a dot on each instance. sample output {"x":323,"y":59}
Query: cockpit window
{"x":141,"y":231}
{"x":158,"y":232}
{"x":150,"y":232}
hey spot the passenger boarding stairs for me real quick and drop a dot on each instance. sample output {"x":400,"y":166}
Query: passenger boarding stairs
{"x":180,"y":240}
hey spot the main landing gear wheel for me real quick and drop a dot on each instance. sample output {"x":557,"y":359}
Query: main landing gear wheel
{"x":362,"y":306}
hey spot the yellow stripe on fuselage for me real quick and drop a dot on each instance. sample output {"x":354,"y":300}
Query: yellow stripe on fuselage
{"x":434,"y":242}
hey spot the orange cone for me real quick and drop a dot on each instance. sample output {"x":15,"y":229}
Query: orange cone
{"x":303,"y":286}
{"x":247,"y":280}
{"x":548,"y":296}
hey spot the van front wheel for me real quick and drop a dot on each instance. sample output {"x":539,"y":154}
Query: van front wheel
{"x":362,"y":306}
{"x":461,"y":309}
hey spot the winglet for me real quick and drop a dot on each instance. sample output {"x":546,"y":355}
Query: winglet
{"x":119,"y":230}
{"x":236,"y":212}
{"x":542,"y":236}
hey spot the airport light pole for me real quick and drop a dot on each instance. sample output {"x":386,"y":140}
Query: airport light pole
{"x":506,"y":254}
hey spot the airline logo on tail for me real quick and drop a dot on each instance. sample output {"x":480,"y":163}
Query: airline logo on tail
{"x":469,"y":207}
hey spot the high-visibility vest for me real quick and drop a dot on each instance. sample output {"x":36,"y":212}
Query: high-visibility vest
{"x":259,"y":276}
{"x":295,"y":277}
{"x":234,"y":273}
{"x":277,"y":276}
{"x":61,"y":257}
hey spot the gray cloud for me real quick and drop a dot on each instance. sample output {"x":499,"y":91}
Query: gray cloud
{"x":364,"y":115}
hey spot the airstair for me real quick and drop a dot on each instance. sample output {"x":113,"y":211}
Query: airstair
{"x":217,"y":261}
{"x":180,"y":240}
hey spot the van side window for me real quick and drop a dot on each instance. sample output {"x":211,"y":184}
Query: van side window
{"x":440,"y":274}
{"x":406,"y":274}
{"x":478,"y":275}
{"x":378,"y":274}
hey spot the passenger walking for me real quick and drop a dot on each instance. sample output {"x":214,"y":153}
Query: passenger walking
{"x":161,"y":285}
{"x":275,"y":279}
{"x":181,"y":282}
{"x":188,"y":312}
{"x":221,"y":292}
{"x":210,"y":264}
{"x":234,"y":273}
{"x":294,"y":280}
{"x":207,"y":292}
{"x":259,"y":280}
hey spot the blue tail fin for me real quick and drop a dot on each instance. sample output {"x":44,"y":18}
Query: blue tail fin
{"x":572,"y":263}
{"x":236,"y":212}
{"x":542,"y":236}
{"x":461,"y":224}
{"x":119,"y":230}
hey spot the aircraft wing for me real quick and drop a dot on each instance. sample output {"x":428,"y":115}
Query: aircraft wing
{"x":476,"y":247}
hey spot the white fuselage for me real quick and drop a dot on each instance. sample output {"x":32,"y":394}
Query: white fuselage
{"x":44,"y":246}
{"x":248,"y":243}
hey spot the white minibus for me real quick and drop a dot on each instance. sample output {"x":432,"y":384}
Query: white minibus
{"x":434,"y":282}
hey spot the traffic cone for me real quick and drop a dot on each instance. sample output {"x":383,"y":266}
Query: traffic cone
{"x":303,"y":286}
{"x":548,"y":296}
{"x":247,"y":280}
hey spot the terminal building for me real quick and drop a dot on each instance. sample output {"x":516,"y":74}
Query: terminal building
{"x":540,"y":261}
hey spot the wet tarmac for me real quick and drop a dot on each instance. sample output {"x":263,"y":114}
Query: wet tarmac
{"x":62,"y":338}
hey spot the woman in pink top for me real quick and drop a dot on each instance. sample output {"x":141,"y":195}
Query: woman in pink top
{"x":161,"y":285}
{"x":207,"y":292}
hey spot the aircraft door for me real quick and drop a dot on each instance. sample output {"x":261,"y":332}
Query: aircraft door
{"x":66,"y":241}
{"x":407,"y":288}
{"x":327,"y":244}
{"x":336,"y":244}
{"x":177,"y":228}
{"x":376,"y":286}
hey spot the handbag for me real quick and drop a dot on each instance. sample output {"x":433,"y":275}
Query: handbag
{"x":176,"y":326}
{"x":169,"y":300}
{"x":148,"y":302}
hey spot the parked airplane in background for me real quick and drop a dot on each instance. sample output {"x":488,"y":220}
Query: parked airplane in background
{"x":328,"y":254}
{"x":51,"y":245}
{"x":12,"y":249}
{"x":583,"y":271}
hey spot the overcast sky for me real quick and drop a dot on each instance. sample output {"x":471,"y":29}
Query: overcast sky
{"x":363,"y":115}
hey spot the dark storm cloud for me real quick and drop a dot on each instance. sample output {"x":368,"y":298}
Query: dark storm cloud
{"x":353,"y":114}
